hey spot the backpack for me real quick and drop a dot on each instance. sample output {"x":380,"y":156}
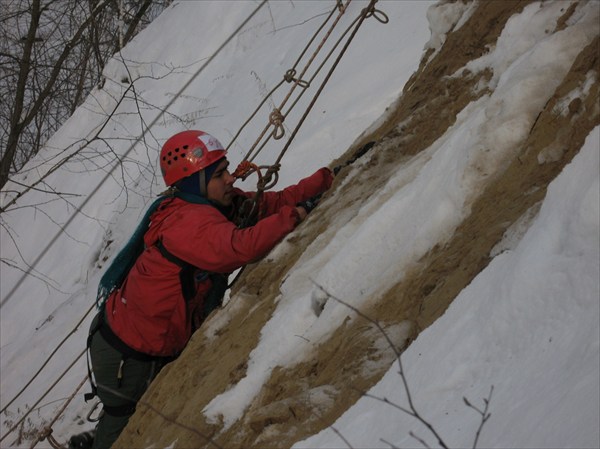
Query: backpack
{"x":117,"y":271}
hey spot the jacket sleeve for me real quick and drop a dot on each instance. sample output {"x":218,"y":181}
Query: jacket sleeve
{"x":207,"y":240}
{"x":317,"y":183}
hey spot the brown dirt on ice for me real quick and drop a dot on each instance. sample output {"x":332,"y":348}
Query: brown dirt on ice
{"x":301,"y":400}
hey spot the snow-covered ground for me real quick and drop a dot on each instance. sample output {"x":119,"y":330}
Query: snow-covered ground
{"x":528,"y":325}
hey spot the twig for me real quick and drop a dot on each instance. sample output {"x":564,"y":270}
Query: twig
{"x":393,"y":446}
{"x":484,"y":413}
{"x":339,"y":434}
{"x":413,"y":411}
{"x":419,"y":439}
{"x":388,"y":402}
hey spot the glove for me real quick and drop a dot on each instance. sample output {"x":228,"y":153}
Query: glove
{"x":310,"y":203}
{"x":83,"y":440}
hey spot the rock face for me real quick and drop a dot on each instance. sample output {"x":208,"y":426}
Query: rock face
{"x":300,"y":400}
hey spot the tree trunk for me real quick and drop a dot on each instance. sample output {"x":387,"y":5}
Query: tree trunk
{"x":15,"y":126}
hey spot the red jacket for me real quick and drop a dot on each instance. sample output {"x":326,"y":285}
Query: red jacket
{"x":148,"y":313}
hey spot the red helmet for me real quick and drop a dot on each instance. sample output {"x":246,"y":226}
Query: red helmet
{"x":187,"y":153}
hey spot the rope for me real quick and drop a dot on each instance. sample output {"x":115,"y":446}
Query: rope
{"x":383,"y":19}
{"x":249,"y":155}
{"x":13,"y":428}
{"x":369,"y":11}
{"x":276,"y":119}
{"x":316,"y":52}
{"x":55,"y":444}
{"x":270,"y":178}
{"x":289,"y":77}
{"x":80,"y":208}
{"x":48,"y":360}
{"x":137,"y":140}
{"x":47,"y":432}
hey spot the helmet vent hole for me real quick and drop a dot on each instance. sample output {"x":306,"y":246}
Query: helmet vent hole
{"x":185,"y":147}
{"x":182,"y":154}
{"x":175,"y":158}
{"x":176,"y":150}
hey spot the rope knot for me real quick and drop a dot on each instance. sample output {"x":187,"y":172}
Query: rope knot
{"x":276,"y":119}
{"x":289,"y":77}
{"x":47,"y":434}
{"x":46,"y":431}
{"x":371,"y":11}
{"x":270,"y":178}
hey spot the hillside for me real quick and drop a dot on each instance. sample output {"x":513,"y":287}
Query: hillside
{"x":468,"y":237}
{"x":309,"y":394}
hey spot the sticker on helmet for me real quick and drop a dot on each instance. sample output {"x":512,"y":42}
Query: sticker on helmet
{"x":210,"y":142}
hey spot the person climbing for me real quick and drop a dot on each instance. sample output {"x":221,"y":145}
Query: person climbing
{"x":191,"y":246}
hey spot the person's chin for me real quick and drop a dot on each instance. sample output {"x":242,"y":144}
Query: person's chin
{"x":226,"y":201}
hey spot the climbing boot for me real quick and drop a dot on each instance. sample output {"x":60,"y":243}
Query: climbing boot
{"x":83,"y":440}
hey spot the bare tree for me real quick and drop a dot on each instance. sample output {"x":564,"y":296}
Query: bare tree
{"x":52,"y":53}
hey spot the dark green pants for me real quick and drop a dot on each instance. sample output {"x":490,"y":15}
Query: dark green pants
{"x":118,"y":396}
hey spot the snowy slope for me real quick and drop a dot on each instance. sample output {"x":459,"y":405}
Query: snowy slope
{"x":528,"y":324}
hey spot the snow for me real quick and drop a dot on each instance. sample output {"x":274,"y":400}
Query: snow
{"x":527,"y":325}
{"x":443,"y":18}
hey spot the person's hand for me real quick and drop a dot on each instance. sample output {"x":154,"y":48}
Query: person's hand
{"x":309,"y":204}
{"x":302,"y":213}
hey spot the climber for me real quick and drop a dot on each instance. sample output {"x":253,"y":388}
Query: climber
{"x":191,"y":245}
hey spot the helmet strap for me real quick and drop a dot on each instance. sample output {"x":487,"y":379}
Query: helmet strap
{"x":202,"y":179}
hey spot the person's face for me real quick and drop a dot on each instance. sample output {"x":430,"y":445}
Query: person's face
{"x":220,"y":186}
